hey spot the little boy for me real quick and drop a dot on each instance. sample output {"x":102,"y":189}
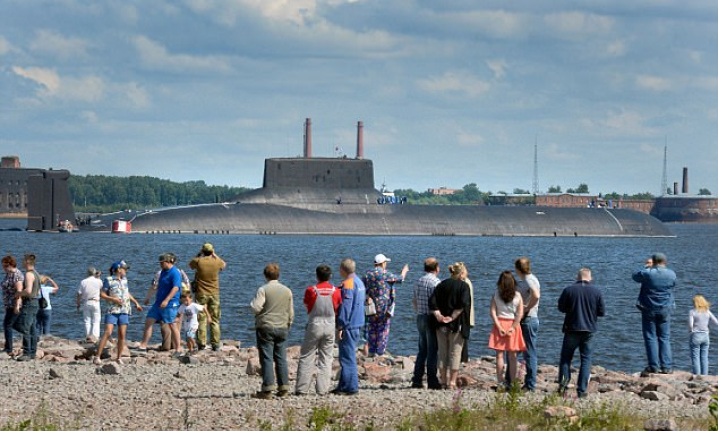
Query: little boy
{"x":188,"y":312}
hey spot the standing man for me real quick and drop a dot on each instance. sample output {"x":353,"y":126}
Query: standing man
{"x":166,"y":305}
{"x":274,"y":313}
{"x":322,"y":301}
{"x":26,"y":306}
{"x":583,"y":304}
{"x":428,"y":349}
{"x":164,"y":328}
{"x":656,"y":303}
{"x":207,"y":266}
{"x":380,"y":288}
{"x":350,"y":320}
{"x":530,"y":290}
{"x":88,"y":298}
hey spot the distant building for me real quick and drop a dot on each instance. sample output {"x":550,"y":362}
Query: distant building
{"x":13,"y":185}
{"x":443,"y":191}
{"x":566,"y":200}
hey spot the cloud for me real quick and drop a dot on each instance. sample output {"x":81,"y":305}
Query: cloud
{"x":469,"y":139}
{"x":579,"y":23}
{"x":87,"y":89}
{"x":651,"y":150}
{"x":62,"y":47}
{"x":555,"y":152}
{"x":5,"y":46}
{"x":653,"y":83}
{"x":498,"y":67}
{"x":455,"y":82}
{"x":616,"y":49}
{"x":135,"y":94}
{"x":626,"y":122}
{"x":494,"y":23}
{"x":156,"y":56}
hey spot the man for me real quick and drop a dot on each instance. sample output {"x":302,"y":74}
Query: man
{"x":167,"y":343}
{"x":88,"y":298}
{"x":26,"y":306}
{"x":379,"y":285}
{"x":207,"y":266}
{"x":274,"y":313}
{"x":350,"y":320}
{"x":530,"y":290}
{"x":164,"y":310}
{"x":583,"y":304}
{"x":656,"y":303}
{"x":428,"y":350}
{"x":322,"y":301}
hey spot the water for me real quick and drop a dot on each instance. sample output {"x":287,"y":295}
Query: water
{"x":619,"y":344}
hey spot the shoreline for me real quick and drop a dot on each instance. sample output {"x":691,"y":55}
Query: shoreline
{"x":155,"y":390}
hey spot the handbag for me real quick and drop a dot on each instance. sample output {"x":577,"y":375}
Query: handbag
{"x":369,"y":307}
{"x":42,"y":302}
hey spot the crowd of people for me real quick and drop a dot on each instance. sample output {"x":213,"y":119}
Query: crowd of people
{"x":359,"y":309}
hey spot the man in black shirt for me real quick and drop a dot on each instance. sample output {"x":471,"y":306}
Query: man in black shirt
{"x":583,"y":304}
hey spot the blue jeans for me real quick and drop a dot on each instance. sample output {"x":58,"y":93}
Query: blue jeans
{"x":349,"y":375}
{"x":427,"y":357}
{"x":700,"y":342}
{"x":43,"y":321}
{"x":657,"y":338}
{"x":584,"y":342}
{"x":8,"y":324}
{"x":529,"y":328}
{"x":25,"y":324}
{"x":272,"y":346}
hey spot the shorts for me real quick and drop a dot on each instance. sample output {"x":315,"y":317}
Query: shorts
{"x":190,"y":333}
{"x":117,"y":319}
{"x":164,"y":315}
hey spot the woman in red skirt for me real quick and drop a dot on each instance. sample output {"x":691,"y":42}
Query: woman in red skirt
{"x":507,"y":309}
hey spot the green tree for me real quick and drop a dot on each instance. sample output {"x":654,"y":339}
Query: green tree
{"x":554,"y":189}
{"x":518,"y":191}
{"x":704,"y":192}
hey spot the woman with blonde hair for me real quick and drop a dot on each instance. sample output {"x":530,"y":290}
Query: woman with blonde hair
{"x":698,"y":320}
{"x":507,"y":309}
{"x":450,"y":304}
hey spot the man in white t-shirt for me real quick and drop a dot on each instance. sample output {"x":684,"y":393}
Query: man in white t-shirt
{"x":88,"y":297}
{"x":530,"y":290}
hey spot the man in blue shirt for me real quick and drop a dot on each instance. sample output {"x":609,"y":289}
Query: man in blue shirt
{"x":656,"y":304}
{"x":164,"y":310}
{"x":350,"y":320}
{"x":583,"y":304}
{"x":427,"y":357}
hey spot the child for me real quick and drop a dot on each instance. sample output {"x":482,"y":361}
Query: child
{"x":698,"y":320}
{"x":189,"y":310}
{"x":115,"y":291}
{"x":506,"y":312}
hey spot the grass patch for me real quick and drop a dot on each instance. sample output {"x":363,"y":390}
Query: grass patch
{"x":40,"y":420}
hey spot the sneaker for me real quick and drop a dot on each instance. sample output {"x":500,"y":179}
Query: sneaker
{"x":283,"y":393}
{"x":666,"y":371}
{"x":24,"y":358}
{"x":417,"y":386}
{"x":119,"y":361}
{"x":201,"y":347}
{"x":96,"y":360}
{"x":216,"y":347}
{"x":262,"y":395}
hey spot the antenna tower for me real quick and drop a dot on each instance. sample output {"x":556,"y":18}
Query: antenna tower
{"x":535,"y":185}
{"x":664,"y":179}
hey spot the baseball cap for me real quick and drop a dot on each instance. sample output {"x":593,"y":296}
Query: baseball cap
{"x":119,"y":264}
{"x":380,"y":258}
{"x":208,"y":248}
{"x":167,"y":257}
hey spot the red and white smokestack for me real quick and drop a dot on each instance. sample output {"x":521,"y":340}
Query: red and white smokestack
{"x":360,"y":140}
{"x":685,"y":181}
{"x":308,"y":138}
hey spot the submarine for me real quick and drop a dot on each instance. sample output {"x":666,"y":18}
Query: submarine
{"x":337,"y":196}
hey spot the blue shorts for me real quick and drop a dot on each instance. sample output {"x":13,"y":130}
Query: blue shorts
{"x":117,"y":319}
{"x":164,"y":315}
{"x":190,"y":333}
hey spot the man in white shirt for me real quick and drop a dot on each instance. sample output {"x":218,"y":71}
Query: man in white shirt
{"x":88,"y":297}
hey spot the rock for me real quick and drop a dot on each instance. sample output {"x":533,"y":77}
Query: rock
{"x":654,"y":396}
{"x":376,"y":373}
{"x":558,"y":412}
{"x":111,"y":368}
{"x":54,"y":374}
{"x":466,"y":381}
{"x":188,"y":360}
{"x":660,"y":425}
{"x":253,"y":367}
{"x":407,"y":364}
{"x":140,"y":361}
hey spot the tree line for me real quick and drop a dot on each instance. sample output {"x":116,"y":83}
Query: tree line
{"x":100,"y":193}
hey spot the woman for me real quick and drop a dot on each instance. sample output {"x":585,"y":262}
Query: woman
{"x":11,"y":285}
{"x":506,"y":312}
{"x":115,"y":291}
{"x":47,"y":287}
{"x":450,"y":304}
{"x":472,"y":321}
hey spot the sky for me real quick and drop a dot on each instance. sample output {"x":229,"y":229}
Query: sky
{"x":450,"y":92}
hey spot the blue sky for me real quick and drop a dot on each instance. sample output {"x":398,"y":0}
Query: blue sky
{"x":450,"y":92}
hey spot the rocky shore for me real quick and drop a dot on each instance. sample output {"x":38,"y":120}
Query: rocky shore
{"x":155,"y":390}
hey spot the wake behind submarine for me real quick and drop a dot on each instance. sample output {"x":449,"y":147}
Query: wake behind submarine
{"x":337,"y":196}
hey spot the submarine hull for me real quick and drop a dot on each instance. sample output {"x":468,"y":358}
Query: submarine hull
{"x":437,"y":220}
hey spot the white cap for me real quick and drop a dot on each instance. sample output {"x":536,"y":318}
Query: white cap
{"x":380,"y":258}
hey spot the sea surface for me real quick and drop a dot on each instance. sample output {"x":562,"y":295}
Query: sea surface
{"x":619,"y":344}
